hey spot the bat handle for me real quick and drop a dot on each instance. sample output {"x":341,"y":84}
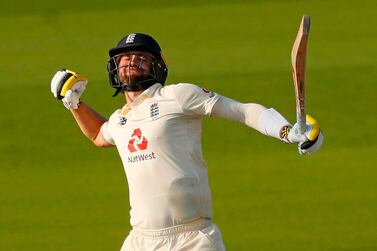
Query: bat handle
{"x":301,"y":121}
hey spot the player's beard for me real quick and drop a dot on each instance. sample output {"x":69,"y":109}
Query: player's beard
{"x":136,"y":79}
{"x":131,"y":78}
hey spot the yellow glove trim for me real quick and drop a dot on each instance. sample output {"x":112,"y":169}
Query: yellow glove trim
{"x":314,"y":132}
{"x":71,"y":81}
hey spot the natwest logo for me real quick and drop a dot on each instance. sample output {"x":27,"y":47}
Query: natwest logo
{"x":137,"y":142}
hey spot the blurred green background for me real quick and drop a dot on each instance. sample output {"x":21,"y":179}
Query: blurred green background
{"x":59,"y":192}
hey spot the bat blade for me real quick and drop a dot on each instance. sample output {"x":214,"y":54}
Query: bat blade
{"x":298,"y":58}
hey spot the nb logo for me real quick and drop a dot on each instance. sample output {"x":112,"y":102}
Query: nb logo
{"x":130,"y":39}
{"x":122,"y":121}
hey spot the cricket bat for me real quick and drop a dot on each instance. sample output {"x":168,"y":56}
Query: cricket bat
{"x":298,"y":57}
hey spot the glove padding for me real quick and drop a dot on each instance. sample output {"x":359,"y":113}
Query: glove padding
{"x":311,"y":146}
{"x":312,"y":139}
{"x":68,"y":86}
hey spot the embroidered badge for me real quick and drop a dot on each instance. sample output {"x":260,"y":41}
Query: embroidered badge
{"x":154,"y":110}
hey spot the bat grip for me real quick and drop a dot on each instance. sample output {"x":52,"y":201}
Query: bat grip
{"x":301,"y":121}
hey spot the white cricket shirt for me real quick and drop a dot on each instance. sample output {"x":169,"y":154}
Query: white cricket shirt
{"x":159,"y":142}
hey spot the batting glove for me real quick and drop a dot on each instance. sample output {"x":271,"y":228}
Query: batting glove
{"x":68,"y":86}
{"x":309,"y":142}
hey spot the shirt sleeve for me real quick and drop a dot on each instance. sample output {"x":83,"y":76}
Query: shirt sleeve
{"x":106,"y":128}
{"x":195,"y":100}
{"x":106,"y":133}
{"x":233,"y":110}
{"x":267,"y":121}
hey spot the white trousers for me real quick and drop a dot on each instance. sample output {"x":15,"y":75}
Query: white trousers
{"x":201,"y":235}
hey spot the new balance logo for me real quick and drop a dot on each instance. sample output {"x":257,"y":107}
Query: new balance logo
{"x":122,"y":121}
{"x":130,"y":39}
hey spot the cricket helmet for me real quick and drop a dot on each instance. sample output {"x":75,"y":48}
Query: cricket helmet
{"x":137,"y":42}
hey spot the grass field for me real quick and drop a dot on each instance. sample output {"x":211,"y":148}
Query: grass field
{"x":58,"y":192}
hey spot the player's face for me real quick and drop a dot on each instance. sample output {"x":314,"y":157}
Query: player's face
{"x":134,"y":66}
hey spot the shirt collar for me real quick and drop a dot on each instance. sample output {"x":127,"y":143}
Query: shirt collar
{"x":148,"y":92}
{"x":145,"y":94}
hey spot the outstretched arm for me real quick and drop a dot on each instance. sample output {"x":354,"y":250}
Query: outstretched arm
{"x":267,"y":121}
{"x":270,"y":123}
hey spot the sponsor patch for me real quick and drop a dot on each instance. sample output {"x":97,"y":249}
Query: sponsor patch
{"x":141,"y":157}
{"x":137,"y":142}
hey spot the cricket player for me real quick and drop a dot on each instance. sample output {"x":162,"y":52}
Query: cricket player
{"x":158,"y":136}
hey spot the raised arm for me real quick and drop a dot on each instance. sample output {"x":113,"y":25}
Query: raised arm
{"x":90,"y":123}
{"x":68,"y":86}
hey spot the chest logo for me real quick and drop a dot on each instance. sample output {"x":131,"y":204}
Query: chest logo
{"x":137,"y":142}
{"x":154,"y":110}
{"x":122,"y":121}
